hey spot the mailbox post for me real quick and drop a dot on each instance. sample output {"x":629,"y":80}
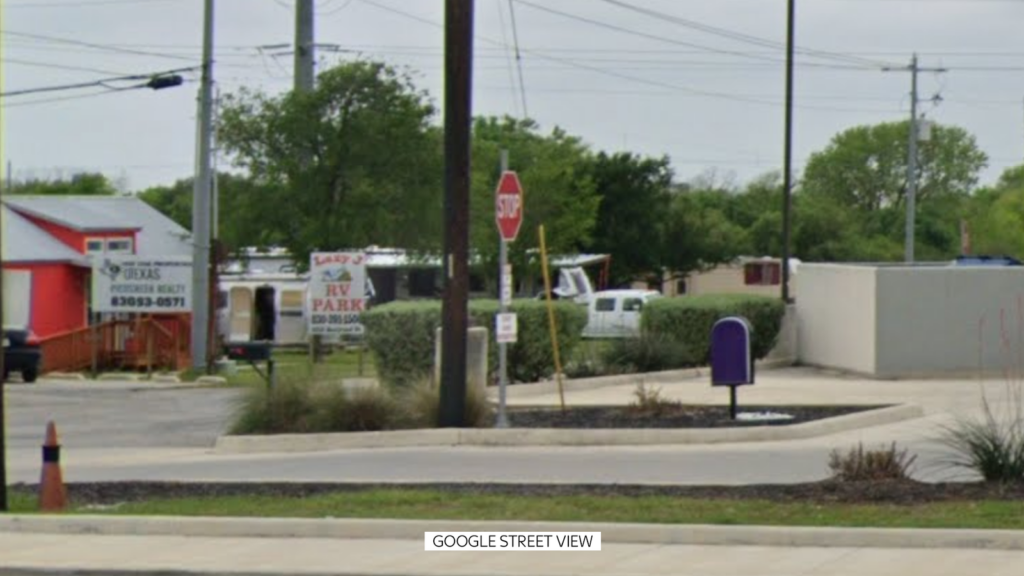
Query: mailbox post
{"x":732,"y":363}
{"x":253,"y":352}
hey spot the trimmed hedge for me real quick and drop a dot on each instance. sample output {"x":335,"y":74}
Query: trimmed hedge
{"x":688,"y":321}
{"x":401,"y":337}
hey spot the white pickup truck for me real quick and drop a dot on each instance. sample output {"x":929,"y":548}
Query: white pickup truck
{"x":610,"y":313}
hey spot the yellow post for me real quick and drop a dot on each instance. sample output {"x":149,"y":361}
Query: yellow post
{"x":551,"y":315}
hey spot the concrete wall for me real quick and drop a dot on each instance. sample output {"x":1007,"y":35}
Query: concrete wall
{"x":836,"y":316}
{"x":948,"y":320}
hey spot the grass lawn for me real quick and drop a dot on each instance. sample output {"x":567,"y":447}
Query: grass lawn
{"x":434,"y":504}
{"x":297,"y":364}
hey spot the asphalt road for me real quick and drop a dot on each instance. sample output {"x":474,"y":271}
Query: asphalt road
{"x":120,"y":431}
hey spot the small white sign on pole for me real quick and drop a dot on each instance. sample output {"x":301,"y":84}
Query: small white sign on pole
{"x":506,"y":285}
{"x":337,"y":292}
{"x":161,"y":285}
{"x":506,"y":328}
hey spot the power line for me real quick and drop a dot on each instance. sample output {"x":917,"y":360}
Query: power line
{"x":82,"y":3}
{"x":519,"y":57}
{"x":101,"y":82}
{"x":93,"y":45}
{"x":505,"y":54}
{"x":739,"y":36}
{"x":646,"y":35}
{"x":57,"y":66}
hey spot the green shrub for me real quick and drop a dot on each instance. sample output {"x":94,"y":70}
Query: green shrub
{"x":688,"y":320}
{"x":364,"y":409}
{"x":401,"y":337}
{"x":286,"y":408}
{"x":648,"y":400}
{"x":646,"y":353}
{"x":859,"y":465}
{"x":420,"y":405}
{"x":993,"y":445}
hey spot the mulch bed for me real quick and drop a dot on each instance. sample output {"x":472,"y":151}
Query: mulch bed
{"x":904,"y":492}
{"x":682,"y":416}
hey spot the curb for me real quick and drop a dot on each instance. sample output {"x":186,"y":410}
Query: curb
{"x":654,"y":534}
{"x":560,"y":437}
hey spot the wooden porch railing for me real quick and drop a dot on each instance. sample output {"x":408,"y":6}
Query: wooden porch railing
{"x":145,"y":343}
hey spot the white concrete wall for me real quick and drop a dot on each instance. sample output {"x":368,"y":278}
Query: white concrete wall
{"x":836,"y":316}
{"x":949,"y":320}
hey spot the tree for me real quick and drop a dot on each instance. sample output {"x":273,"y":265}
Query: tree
{"x":635,"y":195}
{"x":996,"y":216}
{"x":353,"y":162}
{"x":84,"y":184}
{"x":243,"y":217}
{"x":558,"y":191}
{"x":699,"y":235}
{"x":865,"y":167}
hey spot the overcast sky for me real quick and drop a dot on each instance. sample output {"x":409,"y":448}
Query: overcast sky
{"x":701,"y":81}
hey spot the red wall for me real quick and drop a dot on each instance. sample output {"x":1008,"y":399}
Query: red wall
{"x":58,"y":297}
{"x":74,"y":238}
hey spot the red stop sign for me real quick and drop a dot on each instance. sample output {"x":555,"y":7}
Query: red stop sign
{"x":508,"y":207}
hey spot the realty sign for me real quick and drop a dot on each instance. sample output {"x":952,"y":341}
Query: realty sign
{"x":144,"y":285}
{"x":337,"y":292}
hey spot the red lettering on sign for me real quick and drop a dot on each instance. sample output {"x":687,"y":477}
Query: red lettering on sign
{"x":338,"y":290}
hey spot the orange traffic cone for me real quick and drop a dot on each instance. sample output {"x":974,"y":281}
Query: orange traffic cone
{"x":53,"y":495}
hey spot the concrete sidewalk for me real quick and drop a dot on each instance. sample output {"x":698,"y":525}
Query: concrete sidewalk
{"x":54,"y":545}
{"x":86,"y":555}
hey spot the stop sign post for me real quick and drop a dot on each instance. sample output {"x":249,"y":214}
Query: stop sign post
{"x":508,"y":213}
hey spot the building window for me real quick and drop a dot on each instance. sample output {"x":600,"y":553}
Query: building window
{"x":422,"y":283}
{"x":680,"y":287}
{"x":762,"y":274}
{"x":94,"y":246}
{"x":119,"y":246}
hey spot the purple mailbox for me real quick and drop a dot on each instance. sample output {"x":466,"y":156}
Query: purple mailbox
{"x":732,"y":363}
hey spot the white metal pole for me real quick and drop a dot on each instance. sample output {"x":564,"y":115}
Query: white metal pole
{"x":502,"y":308}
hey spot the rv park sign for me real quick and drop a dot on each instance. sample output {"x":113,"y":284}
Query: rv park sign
{"x":337,"y":292}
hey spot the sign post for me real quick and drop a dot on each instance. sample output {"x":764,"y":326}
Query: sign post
{"x":508,"y":204}
{"x":732,"y":363}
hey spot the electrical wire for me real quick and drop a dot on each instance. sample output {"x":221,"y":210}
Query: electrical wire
{"x":645,"y":35}
{"x":81,"y":3}
{"x":519,"y":58}
{"x":507,"y":56}
{"x":101,"y":82}
{"x":57,"y":66}
{"x":92,"y":45}
{"x":740,"y":36}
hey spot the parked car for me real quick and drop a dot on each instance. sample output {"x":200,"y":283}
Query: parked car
{"x":616,"y":313}
{"x":21,"y":354}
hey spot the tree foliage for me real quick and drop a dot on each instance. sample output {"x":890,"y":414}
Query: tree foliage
{"x":353,"y":162}
{"x":84,"y":184}
{"x":632,"y":220}
{"x":865,"y":167}
{"x":243,"y":219}
{"x":558,"y":190}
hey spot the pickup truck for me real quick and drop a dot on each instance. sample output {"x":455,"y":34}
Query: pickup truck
{"x":21,"y":354}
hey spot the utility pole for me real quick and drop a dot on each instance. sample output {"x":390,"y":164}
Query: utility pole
{"x":201,"y":204}
{"x":304,"y":80}
{"x":458,"y":79}
{"x":304,"y":48}
{"x":787,"y":162}
{"x":914,"y":69}
{"x":3,"y":383}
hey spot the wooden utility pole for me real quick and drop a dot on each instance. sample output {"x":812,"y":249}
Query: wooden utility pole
{"x":458,"y":62}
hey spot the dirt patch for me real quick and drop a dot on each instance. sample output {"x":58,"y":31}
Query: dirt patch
{"x":905,"y":492}
{"x":681,"y":416}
